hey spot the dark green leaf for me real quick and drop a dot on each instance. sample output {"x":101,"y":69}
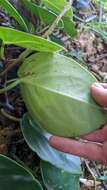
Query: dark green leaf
{"x":6,"y":5}
{"x":57,"y":179}
{"x":14,"y":176}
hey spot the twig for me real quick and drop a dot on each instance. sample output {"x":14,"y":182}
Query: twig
{"x":42,"y":30}
{"x":101,"y":57}
{"x":1,"y":50}
{"x":99,"y":175}
{"x":101,"y":13}
{"x":78,"y":18}
{"x":6,"y":95}
{"x":13,"y":118}
{"x":89,"y":183}
{"x":94,"y":178}
{"x":55,"y":23}
{"x":17,"y":61}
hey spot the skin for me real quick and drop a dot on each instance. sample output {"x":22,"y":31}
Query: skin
{"x":94,"y":145}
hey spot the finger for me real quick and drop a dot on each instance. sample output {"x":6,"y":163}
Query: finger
{"x":99,"y":135}
{"x":99,"y":93}
{"x":81,"y":149}
{"x":105,"y":149}
{"x":104,"y":85}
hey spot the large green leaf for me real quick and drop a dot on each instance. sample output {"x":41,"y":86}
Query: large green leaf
{"x":14,"y":176}
{"x":6,"y":5}
{"x":57,"y":94}
{"x":57,"y":179}
{"x":12,"y":36}
{"x":36,"y":140}
{"x":58,"y":6}
{"x":48,"y":17}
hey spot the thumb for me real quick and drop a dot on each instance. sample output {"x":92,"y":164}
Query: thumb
{"x":99,"y":94}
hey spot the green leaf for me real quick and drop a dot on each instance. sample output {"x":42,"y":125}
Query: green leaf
{"x":99,"y":28}
{"x":14,"y":176}
{"x":48,"y":17}
{"x":36,"y":140}
{"x":26,"y":40}
{"x":6,"y":5}
{"x":57,"y":6}
{"x":69,"y":27}
{"x":44,"y":15}
{"x":57,"y":95}
{"x":57,"y":179}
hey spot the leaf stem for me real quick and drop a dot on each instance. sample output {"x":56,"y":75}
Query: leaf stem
{"x":20,"y":59}
{"x":10,"y":86}
{"x":1,"y":50}
{"x":55,"y":23}
{"x":10,"y":117}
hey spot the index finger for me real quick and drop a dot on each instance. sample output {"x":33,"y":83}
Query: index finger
{"x":82,"y":149}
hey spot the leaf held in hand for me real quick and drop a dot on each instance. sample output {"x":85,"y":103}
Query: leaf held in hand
{"x":56,"y":91}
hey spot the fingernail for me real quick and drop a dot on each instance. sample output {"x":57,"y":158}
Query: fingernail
{"x":47,"y":135}
{"x":97,"y":85}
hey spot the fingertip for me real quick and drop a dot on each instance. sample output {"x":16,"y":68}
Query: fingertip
{"x":54,"y":141}
{"x":96,"y":85}
{"x":99,"y":93}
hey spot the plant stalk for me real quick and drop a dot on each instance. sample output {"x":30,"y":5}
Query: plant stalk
{"x":20,"y":59}
{"x":10,"y":86}
{"x":55,"y":23}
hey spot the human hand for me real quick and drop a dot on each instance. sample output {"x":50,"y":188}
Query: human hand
{"x":94,"y":145}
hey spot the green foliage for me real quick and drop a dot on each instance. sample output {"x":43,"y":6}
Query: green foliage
{"x":100,"y":28}
{"x":7,"y":6}
{"x":59,"y":170}
{"x":26,"y":40}
{"x":58,"y":6}
{"x":101,"y":2}
{"x":36,"y":140}
{"x":57,"y":179}
{"x":45,"y":16}
{"x":59,"y":91}
{"x":48,"y":17}
{"x":14,"y":176}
